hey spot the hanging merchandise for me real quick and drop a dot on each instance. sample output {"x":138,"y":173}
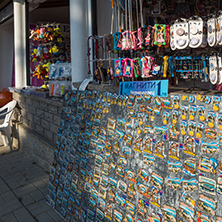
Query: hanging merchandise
{"x":148,"y":45}
{"x":219,"y":62}
{"x":219,"y":28}
{"x":196,"y":31}
{"x":147,"y":63}
{"x":127,"y":65}
{"x":118,"y":67}
{"x":181,"y":33}
{"x":172,"y":37}
{"x":136,"y":67}
{"x":161,"y":36}
{"x":48,"y":47}
{"x":213,"y":69}
{"x":211,"y":31}
{"x":148,"y":36}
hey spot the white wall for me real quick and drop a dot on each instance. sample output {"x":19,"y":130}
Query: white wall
{"x":6,"y":55}
{"x":104,"y":14}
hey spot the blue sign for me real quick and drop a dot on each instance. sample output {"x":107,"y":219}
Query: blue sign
{"x":153,"y":88}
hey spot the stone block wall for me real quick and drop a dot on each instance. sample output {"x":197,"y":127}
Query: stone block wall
{"x":42,"y":115}
{"x":37,"y":126}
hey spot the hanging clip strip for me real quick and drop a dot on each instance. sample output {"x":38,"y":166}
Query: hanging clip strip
{"x":89,"y":49}
{"x":147,"y":64}
{"x":140,"y":39}
{"x":127,"y":65}
{"x":167,"y":36}
{"x":136,"y":67}
{"x":165,"y":58}
{"x":148,"y":37}
{"x":133,"y":40}
{"x":117,"y":41}
{"x":170,"y":61}
{"x":160,"y":35}
{"x":126,"y":40}
{"x":205,"y":68}
{"x":118,"y":67}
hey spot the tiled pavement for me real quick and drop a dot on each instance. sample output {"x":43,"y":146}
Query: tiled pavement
{"x":23,"y":187}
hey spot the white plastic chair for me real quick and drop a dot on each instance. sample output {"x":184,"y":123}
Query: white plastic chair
{"x":5,"y":127}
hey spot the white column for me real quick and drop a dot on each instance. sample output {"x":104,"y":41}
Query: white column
{"x":19,"y":43}
{"x":78,"y":37}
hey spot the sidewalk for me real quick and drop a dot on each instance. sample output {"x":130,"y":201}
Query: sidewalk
{"x":23,"y":188}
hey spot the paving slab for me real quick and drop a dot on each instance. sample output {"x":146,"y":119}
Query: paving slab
{"x":9,"y":218}
{"x":23,"y":188}
{"x":22,"y":214}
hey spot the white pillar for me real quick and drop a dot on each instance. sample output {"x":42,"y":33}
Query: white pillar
{"x":78,"y":36}
{"x":19,"y":43}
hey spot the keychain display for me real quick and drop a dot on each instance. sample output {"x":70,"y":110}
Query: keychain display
{"x":196,"y":32}
{"x":219,"y":29}
{"x":213,"y":68}
{"x":181,"y":33}
{"x":211,"y":31}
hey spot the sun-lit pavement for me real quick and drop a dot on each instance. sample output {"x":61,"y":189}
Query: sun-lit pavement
{"x":23,"y":187}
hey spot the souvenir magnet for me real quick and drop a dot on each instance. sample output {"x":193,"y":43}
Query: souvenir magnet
{"x":138,"y":145}
{"x":210,"y":133}
{"x":186,"y":212}
{"x":207,"y":204}
{"x":169,"y":213}
{"x":122,"y":186}
{"x":165,"y":117}
{"x":131,"y":192}
{"x":189,"y":146}
{"x":190,"y":166}
{"x":209,"y":148}
{"x":216,"y":103}
{"x":174,"y":167}
{"x":207,"y":164}
{"x":117,"y":216}
{"x":148,"y":159}
{"x":207,"y":185}
{"x":142,"y":207}
{"x":173,"y":150}
{"x":175,"y":115}
{"x":211,"y":119}
{"x":173,"y":133}
{"x":199,"y":130}
{"x":203,"y":217}
{"x":191,"y":128}
{"x":131,"y":176}
{"x":109,"y":212}
{"x":111,"y":194}
{"x":159,"y":149}
{"x":192,"y":112}
{"x":190,"y":185}
{"x":183,"y":127}
{"x":184,"y":112}
{"x":143,"y":174}
{"x":219,"y":185}
{"x":143,"y":190}
{"x":174,"y":183}
{"x":156,"y":180}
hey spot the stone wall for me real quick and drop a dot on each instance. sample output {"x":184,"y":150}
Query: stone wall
{"x":38,"y":121}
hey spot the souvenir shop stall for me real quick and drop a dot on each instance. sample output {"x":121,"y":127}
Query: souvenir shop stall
{"x":144,"y":155}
